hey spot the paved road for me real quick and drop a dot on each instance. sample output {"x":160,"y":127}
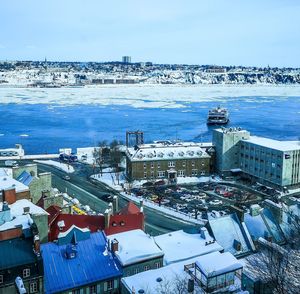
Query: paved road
{"x":89,"y":193}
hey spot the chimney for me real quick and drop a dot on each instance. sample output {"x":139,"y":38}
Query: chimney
{"x":115,"y":205}
{"x":37,"y":245}
{"x":26,"y":210}
{"x":9,"y":195}
{"x":107,"y":214}
{"x":141,"y":205}
{"x":114,"y":245}
{"x":204,"y":233}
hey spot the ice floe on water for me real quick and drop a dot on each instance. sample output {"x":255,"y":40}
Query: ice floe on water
{"x":146,"y":96}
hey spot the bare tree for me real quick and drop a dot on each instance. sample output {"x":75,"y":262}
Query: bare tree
{"x":277,"y":267}
{"x":178,"y":284}
{"x":115,"y":158}
{"x":98,"y":155}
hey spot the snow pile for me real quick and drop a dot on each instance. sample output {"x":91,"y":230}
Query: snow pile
{"x":59,"y":165}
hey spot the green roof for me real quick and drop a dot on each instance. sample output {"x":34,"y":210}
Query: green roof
{"x":16,"y":252}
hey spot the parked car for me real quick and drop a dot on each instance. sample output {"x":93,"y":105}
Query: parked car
{"x":215,"y":202}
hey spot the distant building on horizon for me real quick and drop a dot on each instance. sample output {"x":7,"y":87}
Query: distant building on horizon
{"x":126,"y":59}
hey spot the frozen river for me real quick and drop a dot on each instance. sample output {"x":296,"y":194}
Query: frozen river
{"x":44,"y":120}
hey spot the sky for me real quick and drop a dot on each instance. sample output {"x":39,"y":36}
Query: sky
{"x":221,"y":32}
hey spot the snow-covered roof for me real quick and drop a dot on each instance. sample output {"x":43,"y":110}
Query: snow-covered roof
{"x":151,"y":281}
{"x":179,"y":246}
{"x":217,"y":263}
{"x":8,"y":182}
{"x":274,"y":144}
{"x":228,"y":230}
{"x":5,"y":172}
{"x":167,"y":151}
{"x":135,"y":246}
{"x":17,"y":214}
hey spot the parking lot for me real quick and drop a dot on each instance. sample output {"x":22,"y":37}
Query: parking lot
{"x":199,"y":199}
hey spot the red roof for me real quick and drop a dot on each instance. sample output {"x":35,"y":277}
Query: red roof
{"x":129,"y":218}
{"x":130,"y":208}
{"x":53,"y":211}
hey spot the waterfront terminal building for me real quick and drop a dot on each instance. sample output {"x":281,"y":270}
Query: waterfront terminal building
{"x":265,"y":160}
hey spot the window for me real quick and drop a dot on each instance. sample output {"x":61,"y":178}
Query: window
{"x":161,"y":174}
{"x":193,"y":163}
{"x":110,"y":284}
{"x":152,"y":164}
{"x":136,"y":270}
{"x":33,"y":287}
{"x":26,"y":273}
{"x":183,"y":163}
{"x":1,"y":279}
{"x":152,"y":174}
{"x":158,"y":165}
{"x":145,"y":165}
{"x":181,"y":173}
{"x":171,"y":164}
{"x":77,"y":291}
{"x":194,"y":172}
{"x":145,"y":175}
{"x":157,"y":265}
{"x":93,"y":289}
{"x":146,"y":267}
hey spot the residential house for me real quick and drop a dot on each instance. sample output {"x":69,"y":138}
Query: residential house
{"x":80,"y":262}
{"x":136,"y":251}
{"x":21,"y":266}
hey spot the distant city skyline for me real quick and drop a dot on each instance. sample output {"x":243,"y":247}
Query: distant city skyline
{"x":221,"y":32}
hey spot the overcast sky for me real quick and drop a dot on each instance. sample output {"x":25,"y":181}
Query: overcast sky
{"x":223,"y":32}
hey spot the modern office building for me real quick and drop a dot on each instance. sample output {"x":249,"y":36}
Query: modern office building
{"x":263,"y":159}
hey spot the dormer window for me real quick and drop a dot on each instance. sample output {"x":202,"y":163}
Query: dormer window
{"x":114,"y":224}
{"x":122,"y":223}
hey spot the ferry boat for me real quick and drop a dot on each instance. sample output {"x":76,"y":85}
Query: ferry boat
{"x":218,"y":116}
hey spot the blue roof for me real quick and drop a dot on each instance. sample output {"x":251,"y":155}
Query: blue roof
{"x":93,"y":263}
{"x":25,"y":178}
{"x":263,"y":225}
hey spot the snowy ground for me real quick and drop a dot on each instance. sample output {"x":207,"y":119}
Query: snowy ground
{"x":144,"y":96}
{"x":109,"y":178}
{"x":62,"y":166}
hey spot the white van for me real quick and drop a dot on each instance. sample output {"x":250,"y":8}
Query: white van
{"x":10,"y":163}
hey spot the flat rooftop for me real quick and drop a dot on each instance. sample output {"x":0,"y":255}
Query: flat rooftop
{"x":274,"y":144}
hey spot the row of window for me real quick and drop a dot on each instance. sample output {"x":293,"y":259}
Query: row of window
{"x":162,"y":174}
{"x":33,"y":286}
{"x":96,"y":288}
{"x":261,"y":151}
{"x":136,"y":270}
{"x":170,"y":164}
